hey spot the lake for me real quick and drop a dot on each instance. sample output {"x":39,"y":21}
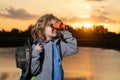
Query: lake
{"x":88,"y":64}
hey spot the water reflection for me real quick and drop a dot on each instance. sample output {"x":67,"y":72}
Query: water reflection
{"x":87,"y":64}
{"x":93,"y":64}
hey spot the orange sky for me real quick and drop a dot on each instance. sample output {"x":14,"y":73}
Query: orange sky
{"x":21,"y":13}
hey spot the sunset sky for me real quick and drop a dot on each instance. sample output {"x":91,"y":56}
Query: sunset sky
{"x":21,"y":13}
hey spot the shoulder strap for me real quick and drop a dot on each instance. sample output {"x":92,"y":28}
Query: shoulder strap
{"x":28,"y":56}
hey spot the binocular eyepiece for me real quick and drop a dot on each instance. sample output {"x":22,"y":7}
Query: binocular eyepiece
{"x":59,"y":26}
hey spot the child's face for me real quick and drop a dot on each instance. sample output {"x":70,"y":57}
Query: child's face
{"x":50,"y":32}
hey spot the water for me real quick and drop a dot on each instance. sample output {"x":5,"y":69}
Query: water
{"x":88,"y":64}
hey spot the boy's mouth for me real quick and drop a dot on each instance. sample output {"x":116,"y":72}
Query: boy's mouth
{"x":54,"y":31}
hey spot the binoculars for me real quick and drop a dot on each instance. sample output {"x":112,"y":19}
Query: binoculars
{"x":59,"y":26}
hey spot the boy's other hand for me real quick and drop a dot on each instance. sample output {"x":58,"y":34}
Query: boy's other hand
{"x":39,"y":47}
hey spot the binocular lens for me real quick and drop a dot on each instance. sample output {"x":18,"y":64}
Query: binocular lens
{"x":59,"y":25}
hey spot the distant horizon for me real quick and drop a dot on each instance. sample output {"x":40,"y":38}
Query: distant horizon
{"x":70,"y":25}
{"x":72,"y":12}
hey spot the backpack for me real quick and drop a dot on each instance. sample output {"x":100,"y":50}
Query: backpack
{"x":23,"y":59}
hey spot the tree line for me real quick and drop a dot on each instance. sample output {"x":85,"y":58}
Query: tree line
{"x":97,"y":36}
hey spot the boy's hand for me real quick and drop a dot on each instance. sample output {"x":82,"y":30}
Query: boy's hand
{"x":39,"y":47}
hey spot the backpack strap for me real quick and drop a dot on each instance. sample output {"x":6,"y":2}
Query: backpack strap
{"x":28,"y":59}
{"x":35,"y":42}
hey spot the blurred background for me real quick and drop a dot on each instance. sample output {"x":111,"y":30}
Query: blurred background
{"x":94,"y":23}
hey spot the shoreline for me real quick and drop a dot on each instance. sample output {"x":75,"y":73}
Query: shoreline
{"x":112,"y":48}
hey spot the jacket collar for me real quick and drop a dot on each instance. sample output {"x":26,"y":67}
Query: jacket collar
{"x":57,"y":39}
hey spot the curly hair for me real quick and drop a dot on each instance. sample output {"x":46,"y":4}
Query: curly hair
{"x":37,"y":31}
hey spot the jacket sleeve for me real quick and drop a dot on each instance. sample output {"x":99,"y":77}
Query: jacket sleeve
{"x":68,"y":47}
{"x":35,"y":62}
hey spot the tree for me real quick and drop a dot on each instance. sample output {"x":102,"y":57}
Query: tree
{"x":100,"y":29}
{"x":15,"y":31}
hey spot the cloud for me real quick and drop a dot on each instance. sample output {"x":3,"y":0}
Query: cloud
{"x":68,"y":1}
{"x":103,"y":7}
{"x":16,"y":13}
{"x":71,"y":20}
{"x":101,"y":19}
{"x":119,"y":22}
{"x":93,"y":18}
{"x":4,"y":76}
{"x":102,"y":12}
{"x":94,"y":0}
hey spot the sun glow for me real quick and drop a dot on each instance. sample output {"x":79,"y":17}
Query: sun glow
{"x":87,"y":25}
{"x":79,"y":25}
{"x":76,"y":25}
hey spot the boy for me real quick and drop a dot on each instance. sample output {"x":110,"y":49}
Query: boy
{"x":50,"y":48}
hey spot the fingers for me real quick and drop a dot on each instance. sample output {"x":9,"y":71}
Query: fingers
{"x":39,"y":47}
